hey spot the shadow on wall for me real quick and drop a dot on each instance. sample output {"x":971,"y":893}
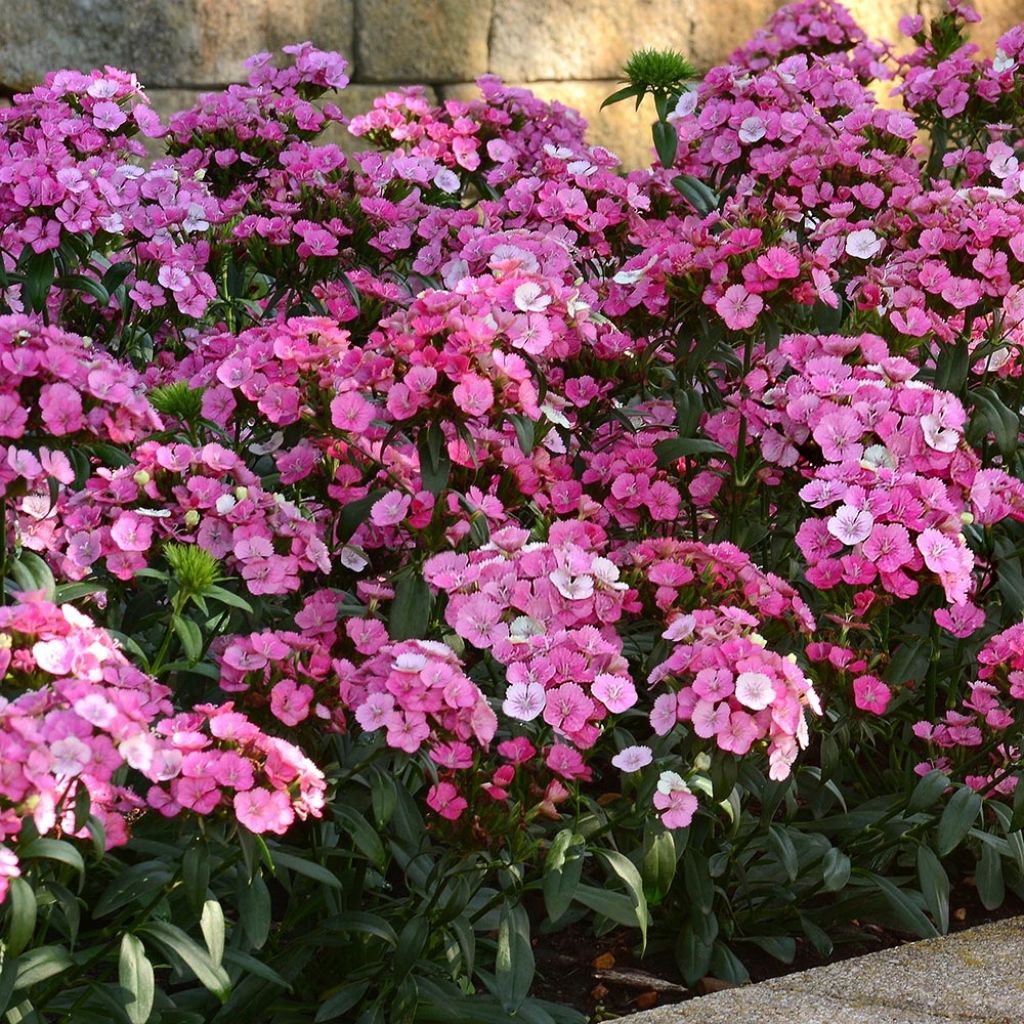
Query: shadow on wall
{"x":566,"y":50}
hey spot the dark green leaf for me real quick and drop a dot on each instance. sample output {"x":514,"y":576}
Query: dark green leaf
{"x":934,"y":882}
{"x":960,"y":814}
{"x":989,"y":876}
{"x":410,"y":610}
{"x":514,"y":963}
{"x":563,"y":868}
{"x":666,"y":142}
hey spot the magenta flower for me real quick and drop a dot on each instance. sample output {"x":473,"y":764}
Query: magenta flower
{"x":871,"y":694}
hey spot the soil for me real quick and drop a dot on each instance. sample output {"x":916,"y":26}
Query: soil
{"x":605,"y":978}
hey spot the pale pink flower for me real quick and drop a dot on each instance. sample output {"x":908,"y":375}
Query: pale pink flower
{"x":851,"y":525}
{"x":632,"y":759}
{"x":863,"y":244}
{"x":616,"y":693}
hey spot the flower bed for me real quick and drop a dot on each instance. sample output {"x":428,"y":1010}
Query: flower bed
{"x":410,"y":555}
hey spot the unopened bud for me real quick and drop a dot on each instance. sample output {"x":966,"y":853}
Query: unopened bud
{"x":142,"y":478}
{"x":192,"y":518}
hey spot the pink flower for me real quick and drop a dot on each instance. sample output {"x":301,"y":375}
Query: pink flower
{"x":616,"y":693}
{"x":444,"y":798}
{"x":739,"y":308}
{"x":567,"y":708}
{"x":351,"y":412}
{"x":739,"y":735}
{"x":940,"y":553}
{"x":871,"y":694}
{"x":778,"y":263}
{"x":391,"y":509}
{"x":289,"y":702}
{"x":474,"y":395}
{"x":888,"y":546}
{"x":675,"y":801}
{"x":567,"y":762}
{"x":263,"y":810}
{"x":132,"y":532}
{"x":708,"y":718}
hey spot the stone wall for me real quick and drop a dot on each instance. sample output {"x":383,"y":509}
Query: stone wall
{"x":569,"y":50}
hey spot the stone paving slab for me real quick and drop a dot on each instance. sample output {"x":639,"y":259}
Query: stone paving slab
{"x":973,"y":977}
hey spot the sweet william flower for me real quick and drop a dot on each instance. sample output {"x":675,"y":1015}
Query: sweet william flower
{"x":739,"y":308}
{"x":863,"y":244}
{"x":632,"y":759}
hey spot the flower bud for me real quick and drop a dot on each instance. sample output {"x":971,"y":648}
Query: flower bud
{"x":192,"y":518}
{"x":142,"y":478}
{"x":241,"y":493}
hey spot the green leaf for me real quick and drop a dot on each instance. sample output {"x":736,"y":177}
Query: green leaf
{"x":250,"y":965}
{"x":934,"y":884}
{"x":412,"y":940}
{"x":672,"y":449}
{"x":666,"y":142}
{"x":410,"y":610}
{"x":696,"y":193}
{"x":658,"y":866}
{"x":254,"y":911}
{"x":362,"y":834}
{"x":39,"y":271}
{"x":54,"y":849}
{"x":21,"y":916}
{"x":81,"y":283}
{"x":781,"y":947}
{"x":31,"y":573}
{"x":220,"y":594}
{"x":992,"y":413}
{"x":435,"y":465}
{"x":835,"y":870}
{"x":627,"y":873}
{"x":341,"y":1001}
{"x":782,"y":846}
{"x":693,"y":953}
{"x":628,"y":92}
{"x":563,"y":868}
{"x":190,"y":635}
{"x":309,"y":868}
{"x":39,"y":964}
{"x":960,"y":814}
{"x":928,"y":791}
{"x":514,"y":963}
{"x":616,"y":906}
{"x":908,"y":913}
{"x":211,"y":923}
{"x":525,"y":430}
{"x":139,"y":882}
{"x":135,"y":976}
{"x":195,"y":873}
{"x":174,"y":941}
{"x":989,"y":876}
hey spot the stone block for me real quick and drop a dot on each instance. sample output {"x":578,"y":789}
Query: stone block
{"x":421,"y":40}
{"x":167,"y":43}
{"x":581,"y":39}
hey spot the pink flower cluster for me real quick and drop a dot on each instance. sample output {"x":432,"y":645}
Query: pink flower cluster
{"x":887,"y":459}
{"x":79,"y":714}
{"x":203,"y":496}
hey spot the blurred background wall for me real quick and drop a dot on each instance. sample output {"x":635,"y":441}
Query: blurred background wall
{"x":569,"y":50}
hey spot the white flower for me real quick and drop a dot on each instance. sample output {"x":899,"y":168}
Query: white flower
{"x":447,"y":181}
{"x":672,"y":782}
{"x":938,"y":437}
{"x":1001,"y":62}
{"x":754,"y":690}
{"x":530,"y":298}
{"x":225,"y":503}
{"x":572,"y":588}
{"x":863,"y":244}
{"x":524,"y":701}
{"x":680,"y":628}
{"x":752,"y":129}
{"x":686,"y":105}
{"x":70,"y":755}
